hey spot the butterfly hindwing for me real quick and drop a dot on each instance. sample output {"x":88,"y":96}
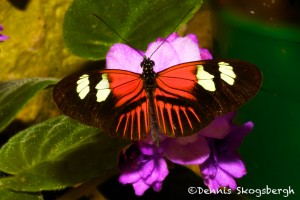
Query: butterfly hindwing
{"x":111,"y":99}
{"x":190,"y":95}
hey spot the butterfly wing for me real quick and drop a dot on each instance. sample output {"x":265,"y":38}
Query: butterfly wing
{"x":111,"y":99}
{"x":190,"y":95}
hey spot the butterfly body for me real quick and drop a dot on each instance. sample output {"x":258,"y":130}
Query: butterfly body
{"x":149,"y":83}
{"x":177,"y":101}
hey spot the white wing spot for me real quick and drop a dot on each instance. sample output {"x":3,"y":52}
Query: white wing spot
{"x":103,"y":88}
{"x":227,"y":73}
{"x":83,"y":87}
{"x":205,"y":79}
{"x":227,"y":79}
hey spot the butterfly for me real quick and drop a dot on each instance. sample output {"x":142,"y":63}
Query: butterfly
{"x":177,"y":101}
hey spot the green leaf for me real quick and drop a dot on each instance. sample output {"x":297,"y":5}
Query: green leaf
{"x":55,"y":154}
{"x":139,"y":22}
{"x":11,"y":195}
{"x":15,"y":94}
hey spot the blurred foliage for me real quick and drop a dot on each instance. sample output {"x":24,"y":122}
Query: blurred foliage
{"x":15,"y":94}
{"x":35,"y":48}
{"x":11,"y":195}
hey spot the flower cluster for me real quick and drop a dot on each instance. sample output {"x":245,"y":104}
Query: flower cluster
{"x":2,"y":37}
{"x":214,"y":148}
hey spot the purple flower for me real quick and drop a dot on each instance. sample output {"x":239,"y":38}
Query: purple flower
{"x":143,"y":163}
{"x":2,"y":37}
{"x":213,"y":148}
{"x":224,"y":164}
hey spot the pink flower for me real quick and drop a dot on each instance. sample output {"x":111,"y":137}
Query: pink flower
{"x":174,"y":51}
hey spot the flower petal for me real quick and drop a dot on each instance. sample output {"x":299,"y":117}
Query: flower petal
{"x":147,"y":169}
{"x":205,"y":54}
{"x":213,"y":185}
{"x":129,"y":177}
{"x":171,"y":37}
{"x":215,"y":177}
{"x":208,"y":169}
{"x":140,"y":187}
{"x":193,"y":38}
{"x":218,"y":128}
{"x":121,"y":56}
{"x":225,"y":180}
{"x":195,"y":152}
{"x":159,"y":173}
{"x":187,"y":49}
{"x":163,"y":170}
{"x":164,"y":57}
{"x":234,"y":140}
{"x":148,"y":149}
{"x":232,"y":165}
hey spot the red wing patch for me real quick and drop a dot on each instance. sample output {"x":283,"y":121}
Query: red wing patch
{"x":177,"y":81}
{"x":124,"y":86}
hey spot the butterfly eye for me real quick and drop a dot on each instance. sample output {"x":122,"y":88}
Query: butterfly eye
{"x":152,"y":63}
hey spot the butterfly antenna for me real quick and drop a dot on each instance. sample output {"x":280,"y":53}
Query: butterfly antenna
{"x":173,"y":30}
{"x":120,"y":36}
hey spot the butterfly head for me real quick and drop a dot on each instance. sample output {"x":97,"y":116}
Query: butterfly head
{"x":147,"y":64}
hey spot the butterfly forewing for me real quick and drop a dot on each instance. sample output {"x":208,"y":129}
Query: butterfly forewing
{"x":111,"y":99}
{"x":190,"y":95}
